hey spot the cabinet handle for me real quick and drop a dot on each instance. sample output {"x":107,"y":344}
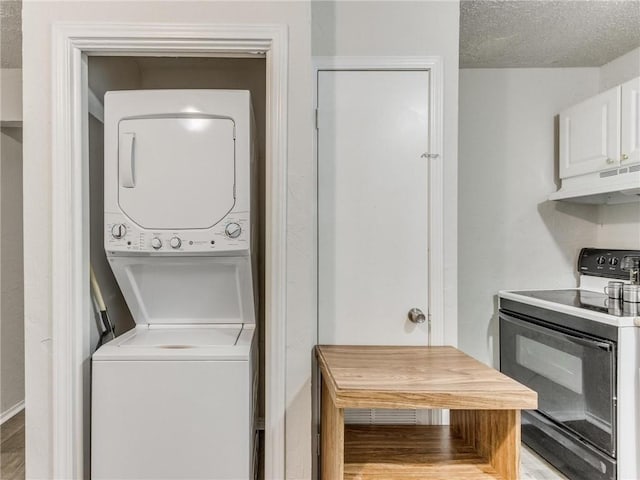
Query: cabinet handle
{"x":624,"y":157}
{"x":610,"y":161}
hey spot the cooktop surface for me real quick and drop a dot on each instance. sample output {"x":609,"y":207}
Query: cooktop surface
{"x":586,"y":299}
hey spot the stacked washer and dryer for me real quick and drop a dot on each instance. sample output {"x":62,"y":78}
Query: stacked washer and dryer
{"x":175,"y":396}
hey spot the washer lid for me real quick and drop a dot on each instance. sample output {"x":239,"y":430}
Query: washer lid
{"x":184,"y":337}
{"x":176,"y":172}
{"x":185,"y":290}
{"x":180,"y":343}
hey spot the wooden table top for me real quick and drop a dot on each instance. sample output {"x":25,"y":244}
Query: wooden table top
{"x":417,"y":377}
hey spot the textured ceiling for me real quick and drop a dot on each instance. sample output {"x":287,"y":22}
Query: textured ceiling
{"x":10,"y":34}
{"x":493,"y":33}
{"x":552,"y":33}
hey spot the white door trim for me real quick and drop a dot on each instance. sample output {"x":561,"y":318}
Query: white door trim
{"x":71,"y":308}
{"x":436,"y":171}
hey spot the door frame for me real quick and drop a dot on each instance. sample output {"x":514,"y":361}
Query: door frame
{"x":70,"y":304}
{"x":434,"y":65}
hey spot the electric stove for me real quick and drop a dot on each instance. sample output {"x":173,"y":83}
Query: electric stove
{"x":580,"y":351}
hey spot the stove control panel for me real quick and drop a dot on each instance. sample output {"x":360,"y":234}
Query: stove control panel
{"x":605,"y":263}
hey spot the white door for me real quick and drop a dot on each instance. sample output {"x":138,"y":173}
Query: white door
{"x":630,"y":124}
{"x":590,"y":135}
{"x":373,"y":127}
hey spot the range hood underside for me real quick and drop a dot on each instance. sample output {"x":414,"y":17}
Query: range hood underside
{"x":600,"y":190}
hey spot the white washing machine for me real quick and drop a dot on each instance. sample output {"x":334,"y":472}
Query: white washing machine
{"x":174,"y":398}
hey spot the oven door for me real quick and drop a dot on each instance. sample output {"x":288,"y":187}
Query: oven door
{"x":574,"y":375}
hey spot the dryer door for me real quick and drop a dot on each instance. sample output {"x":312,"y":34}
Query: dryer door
{"x":176,"y":172}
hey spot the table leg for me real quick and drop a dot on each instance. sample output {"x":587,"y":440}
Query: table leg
{"x":332,"y":438}
{"x":495,"y":434}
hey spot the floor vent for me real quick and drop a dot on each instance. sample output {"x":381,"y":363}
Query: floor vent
{"x":377,"y":416}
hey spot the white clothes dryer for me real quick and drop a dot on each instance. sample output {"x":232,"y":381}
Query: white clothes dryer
{"x":175,"y":397}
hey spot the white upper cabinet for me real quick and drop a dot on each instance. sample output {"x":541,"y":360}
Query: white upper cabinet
{"x":630,"y":123}
{"x":601,"y":132}
{"x":600,"y":148}
{"x":590,"y":135}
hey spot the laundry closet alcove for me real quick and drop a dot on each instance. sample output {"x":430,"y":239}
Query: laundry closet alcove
{"x":93,"y":59}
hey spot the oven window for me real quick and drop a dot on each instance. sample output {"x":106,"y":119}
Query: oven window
{"x":573,"y":375}
{"x":557,"y":366}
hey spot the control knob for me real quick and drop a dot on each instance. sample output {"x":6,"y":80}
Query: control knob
{"x":601,"y":260}
{"x":175,"y":242}
{"x":156,"y":243}
{"x":614,"y":261}
{"x":233,"y":230}
{"x":118,"y":231}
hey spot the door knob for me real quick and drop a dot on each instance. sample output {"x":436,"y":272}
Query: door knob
{"x":624,"y":157}
{"x":416,"y":315}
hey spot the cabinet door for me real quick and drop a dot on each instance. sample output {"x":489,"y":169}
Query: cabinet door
{"x":630,"y":124}
{"x":590,"y":135}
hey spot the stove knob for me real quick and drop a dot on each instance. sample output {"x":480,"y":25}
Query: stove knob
{"x":175,"y":242}
{"x":601,"y":260}
{"x":118,"y":231}
{"x":156,"y":243}
{"x":614,"y":261}
{"x":233,"y":230}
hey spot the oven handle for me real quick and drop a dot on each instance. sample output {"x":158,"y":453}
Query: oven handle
{"x":586,"y":342}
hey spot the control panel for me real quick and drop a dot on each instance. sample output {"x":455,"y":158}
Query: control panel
{"x":229,"y":235}
{"x":606,"y":263}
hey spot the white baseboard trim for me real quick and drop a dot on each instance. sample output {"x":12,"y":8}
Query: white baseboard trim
{"x":11,"y":412}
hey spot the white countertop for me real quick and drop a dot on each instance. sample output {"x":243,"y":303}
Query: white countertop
{"x":570,"y":310}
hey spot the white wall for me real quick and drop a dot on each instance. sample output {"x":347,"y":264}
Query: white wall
{"x":388,"y":28}
{"x":510,"y":235}
{"x":11,"y":290}
{"x":619,"y":225}
{"x":37,"y":67}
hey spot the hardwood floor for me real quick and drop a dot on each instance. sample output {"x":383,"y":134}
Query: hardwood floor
{"x":12,"y":448}
{"x":12,"y":456}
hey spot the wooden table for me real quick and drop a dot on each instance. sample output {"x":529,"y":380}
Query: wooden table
{"x":483,"y":441}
